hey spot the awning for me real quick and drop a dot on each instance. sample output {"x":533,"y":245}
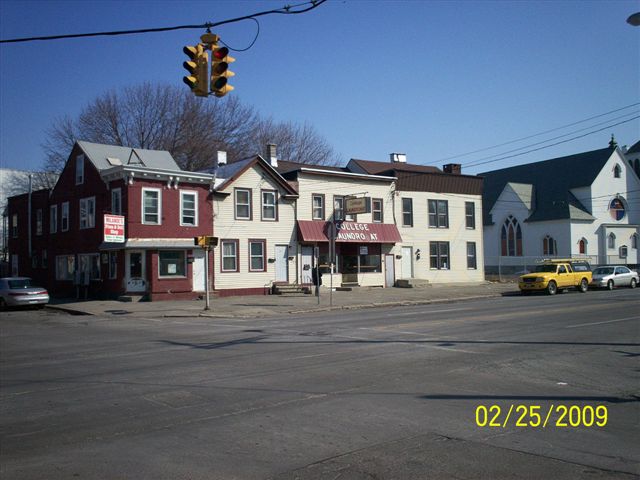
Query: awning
{"x":153,"y":243}
{"x":349,"y":232}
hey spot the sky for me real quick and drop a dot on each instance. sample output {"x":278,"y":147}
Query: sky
{"x":435,"y":80}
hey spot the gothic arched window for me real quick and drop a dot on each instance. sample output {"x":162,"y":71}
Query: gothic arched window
{"x":511,"y":238}
{"x":549,"y":246}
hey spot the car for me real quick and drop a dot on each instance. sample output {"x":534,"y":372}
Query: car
{"x":554,"y":276}
{"x":610,"y":276}
{"x":21,"y":291}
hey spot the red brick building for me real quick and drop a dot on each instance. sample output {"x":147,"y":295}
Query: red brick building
{"x":60,"y":239}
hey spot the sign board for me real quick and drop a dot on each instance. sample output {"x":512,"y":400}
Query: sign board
{"x":114,"y":228}
{"x":354,"y":205}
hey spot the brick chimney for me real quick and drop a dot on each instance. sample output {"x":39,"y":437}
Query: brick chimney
{"x":398,"y":157}
{"x":453,"y":168}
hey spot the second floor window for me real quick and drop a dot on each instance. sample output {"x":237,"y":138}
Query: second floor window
{"x":407,"y":212}
{"x":188,"y":209}
{"x":151,"y":213}
{"x":376,"y":210}
{"x":243,"y":204}
{"x":470,"y":215}
{"x":116,"y":201}
{"x":338,"y":208}
{"x":87,"y":212}
{"x":39,"y":221}
{"x":53,"y":219}
{"x":64,"y":221}
{"x":317,"y":202}
{"x":14,"y":225}
{"x":269,"y":205}
{"x":438,"y":213}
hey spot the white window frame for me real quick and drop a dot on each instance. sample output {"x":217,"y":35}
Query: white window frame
{"x":274,"y":205}
{"x":262,"y":255}
{"x":470,"y":215}
{"x":64,"y":216}
{"x":184,"y":193}
{"x":236,"y":204}
{"x":116,"y":201}
{"x":378,"y":211}
{"x":235,"y":256}
{"x":317,"y":211}
{"x":79,"y":169}
{"x":159,"y":209}
{"x":407,"y":212}
{"x":53,"y":219}
{"x":87,"y":212}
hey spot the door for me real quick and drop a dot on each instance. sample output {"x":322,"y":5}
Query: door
{"x":135,"y":268}
{"x":307,"y":265}
{"x":389,"y":271}
{"x":282,"y":263}
{"x":198,"y":270}
{"x":407,"y":262}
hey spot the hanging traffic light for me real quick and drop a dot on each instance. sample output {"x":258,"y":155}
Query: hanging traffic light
{"x":220,"y":73}
{"x":198,"y":68}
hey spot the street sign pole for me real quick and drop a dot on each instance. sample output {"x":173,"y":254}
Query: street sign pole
{"x":332,"y":258}
{"x":206,"y":277}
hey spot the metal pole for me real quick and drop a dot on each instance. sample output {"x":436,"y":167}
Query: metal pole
{"x":206,"y":278}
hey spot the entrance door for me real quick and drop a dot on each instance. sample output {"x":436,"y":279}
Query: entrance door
{"x":282,"y":263}
{"x":135,"y":268}
{"x":407,"y":262}
{"x":307,"y":265}
{"x":389,"y":271}
{"x":198,"y":270}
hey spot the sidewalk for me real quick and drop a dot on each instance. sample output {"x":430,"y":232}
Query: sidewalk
{"x":270,"y":305}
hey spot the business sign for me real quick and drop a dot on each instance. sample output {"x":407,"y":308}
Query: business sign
{"x":354,"y":205}
{"x":114,"y":228}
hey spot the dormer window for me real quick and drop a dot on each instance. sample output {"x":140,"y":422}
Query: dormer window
{"x":617,"y":171}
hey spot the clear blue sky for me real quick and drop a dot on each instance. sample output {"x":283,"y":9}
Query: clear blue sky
{"x":427,"y":78}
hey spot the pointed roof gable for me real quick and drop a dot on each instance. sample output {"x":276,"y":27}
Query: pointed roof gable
{"x":231,"y":172}
{"x":552,"y":181}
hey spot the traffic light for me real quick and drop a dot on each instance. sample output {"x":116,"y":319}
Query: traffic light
{"x":198,"y":68}
{"x":220,"y":73}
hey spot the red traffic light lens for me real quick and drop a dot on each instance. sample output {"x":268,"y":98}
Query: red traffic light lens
{"x":220,"y":53}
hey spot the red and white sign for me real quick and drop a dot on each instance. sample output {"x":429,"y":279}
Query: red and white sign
{"x":114,"y":228}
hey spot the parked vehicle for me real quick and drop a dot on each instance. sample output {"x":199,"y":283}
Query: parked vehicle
{"x":554,"y":276}
{"x":21,"y":291}
{"x":610,"y":276}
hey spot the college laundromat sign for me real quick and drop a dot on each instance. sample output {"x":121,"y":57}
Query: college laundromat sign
{"x":366,"y":232}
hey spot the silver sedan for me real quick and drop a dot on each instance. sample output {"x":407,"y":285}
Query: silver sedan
{"x":21,"y":291}
{"x":612,"y":276}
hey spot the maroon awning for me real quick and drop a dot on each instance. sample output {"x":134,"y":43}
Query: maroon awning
{"x":353,"y":232}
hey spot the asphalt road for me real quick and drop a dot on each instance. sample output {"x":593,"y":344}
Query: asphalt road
{"x":373,"y":393}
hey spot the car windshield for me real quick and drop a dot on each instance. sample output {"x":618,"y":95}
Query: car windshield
{"x":603,"y":271}
{"x":22,"y":283}
{"x":545,"y":268}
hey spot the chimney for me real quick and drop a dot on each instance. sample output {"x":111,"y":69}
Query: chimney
{"x":398,"y":157}
{"x":222,"y":158}
{"x":453,"y":168}
{"x":271,"y":155}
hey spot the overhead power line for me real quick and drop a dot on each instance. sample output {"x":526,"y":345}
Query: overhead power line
{"x":286,"y":10}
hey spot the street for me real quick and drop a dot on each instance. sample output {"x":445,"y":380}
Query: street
{"x":519,"y":387}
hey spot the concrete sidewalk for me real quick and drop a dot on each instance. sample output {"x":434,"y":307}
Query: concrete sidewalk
{"x":272,"y":305}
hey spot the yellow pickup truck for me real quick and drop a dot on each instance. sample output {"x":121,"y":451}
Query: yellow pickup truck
{"x":554,"y":276}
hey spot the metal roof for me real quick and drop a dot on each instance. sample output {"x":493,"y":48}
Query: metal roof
{"x":102,"y":156}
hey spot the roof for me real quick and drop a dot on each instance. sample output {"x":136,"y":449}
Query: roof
{"x":375,"y":168}
{"x":108,"y":156}
{"x":552,"y":182}
{"x":232,"y":171}
{"x":285,"y":166}
{"x":635,"y":148}
{"x":438,"y":182}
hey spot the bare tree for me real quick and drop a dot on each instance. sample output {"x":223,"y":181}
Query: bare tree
{"x":162,"y":117}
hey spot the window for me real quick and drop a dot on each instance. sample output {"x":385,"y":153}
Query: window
{"x":151,"y":206}
{"x":338,"y":208}
{"x":34,"y":260}
{"x":116,"y":201}
{"x":407,"y":212}
{"x":243,"y":204}
{"x":439,"y":255}
{"x":113,"y":265}
{"x":90,"y":263}
{"x":623,"y":251}
{"x":511,"y":238}
{"x":229,"y":252}
{"x":88,"y":212}
{"x":582,"y":246}
{"x":611,"y":240}
{"x":549,"y":246}
{"x":269,"y":205}
{"x":617,"y":171}
{"x":470,"y":215}
{"x":616,"y":209}
{"x":256,"y":255}
{"x":188,"y":209}
{"x":438,"y":214}
{"x":79,"y":169}
{"x":172,"y":263}
{"x":64,"y":221}
{"x":317,"y":205}
{"x":39,"y":221}
{"x":376,"y":210}
{"x":634,"y":240}
{"x":14,"y":225}
{"x":45,"y":259}
{"x":53,"y":219}
{"x":471,"y":256}
{"x":65,"y":267}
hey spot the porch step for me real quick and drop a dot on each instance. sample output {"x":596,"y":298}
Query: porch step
{"x":348,"y":286}
{"x":412,"y":283}
{"x":291,"y":290}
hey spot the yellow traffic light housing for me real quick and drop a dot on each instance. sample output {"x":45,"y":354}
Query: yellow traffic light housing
{"x":198,"y":68}
{"x":220,"y":73}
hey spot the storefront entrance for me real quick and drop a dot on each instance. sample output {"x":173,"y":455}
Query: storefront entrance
{"x":135,"y":268}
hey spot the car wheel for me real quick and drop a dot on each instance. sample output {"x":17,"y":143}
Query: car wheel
{"x":610,"y":285}
{"x":552,"y":288}
{"x":633,"y":283}
{"x":584,"y":285}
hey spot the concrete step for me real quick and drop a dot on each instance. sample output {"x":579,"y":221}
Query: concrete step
{"x":291,"y":290}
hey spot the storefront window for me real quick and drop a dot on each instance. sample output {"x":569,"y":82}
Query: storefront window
{"x":172,"y":263}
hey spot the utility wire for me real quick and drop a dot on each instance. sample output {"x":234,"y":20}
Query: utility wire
{"x":286,"y":10}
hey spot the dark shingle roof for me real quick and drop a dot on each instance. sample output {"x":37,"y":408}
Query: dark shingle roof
{"x":552,"y":180}
{"x":635,"y":148}
{"x":375,"y":168}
